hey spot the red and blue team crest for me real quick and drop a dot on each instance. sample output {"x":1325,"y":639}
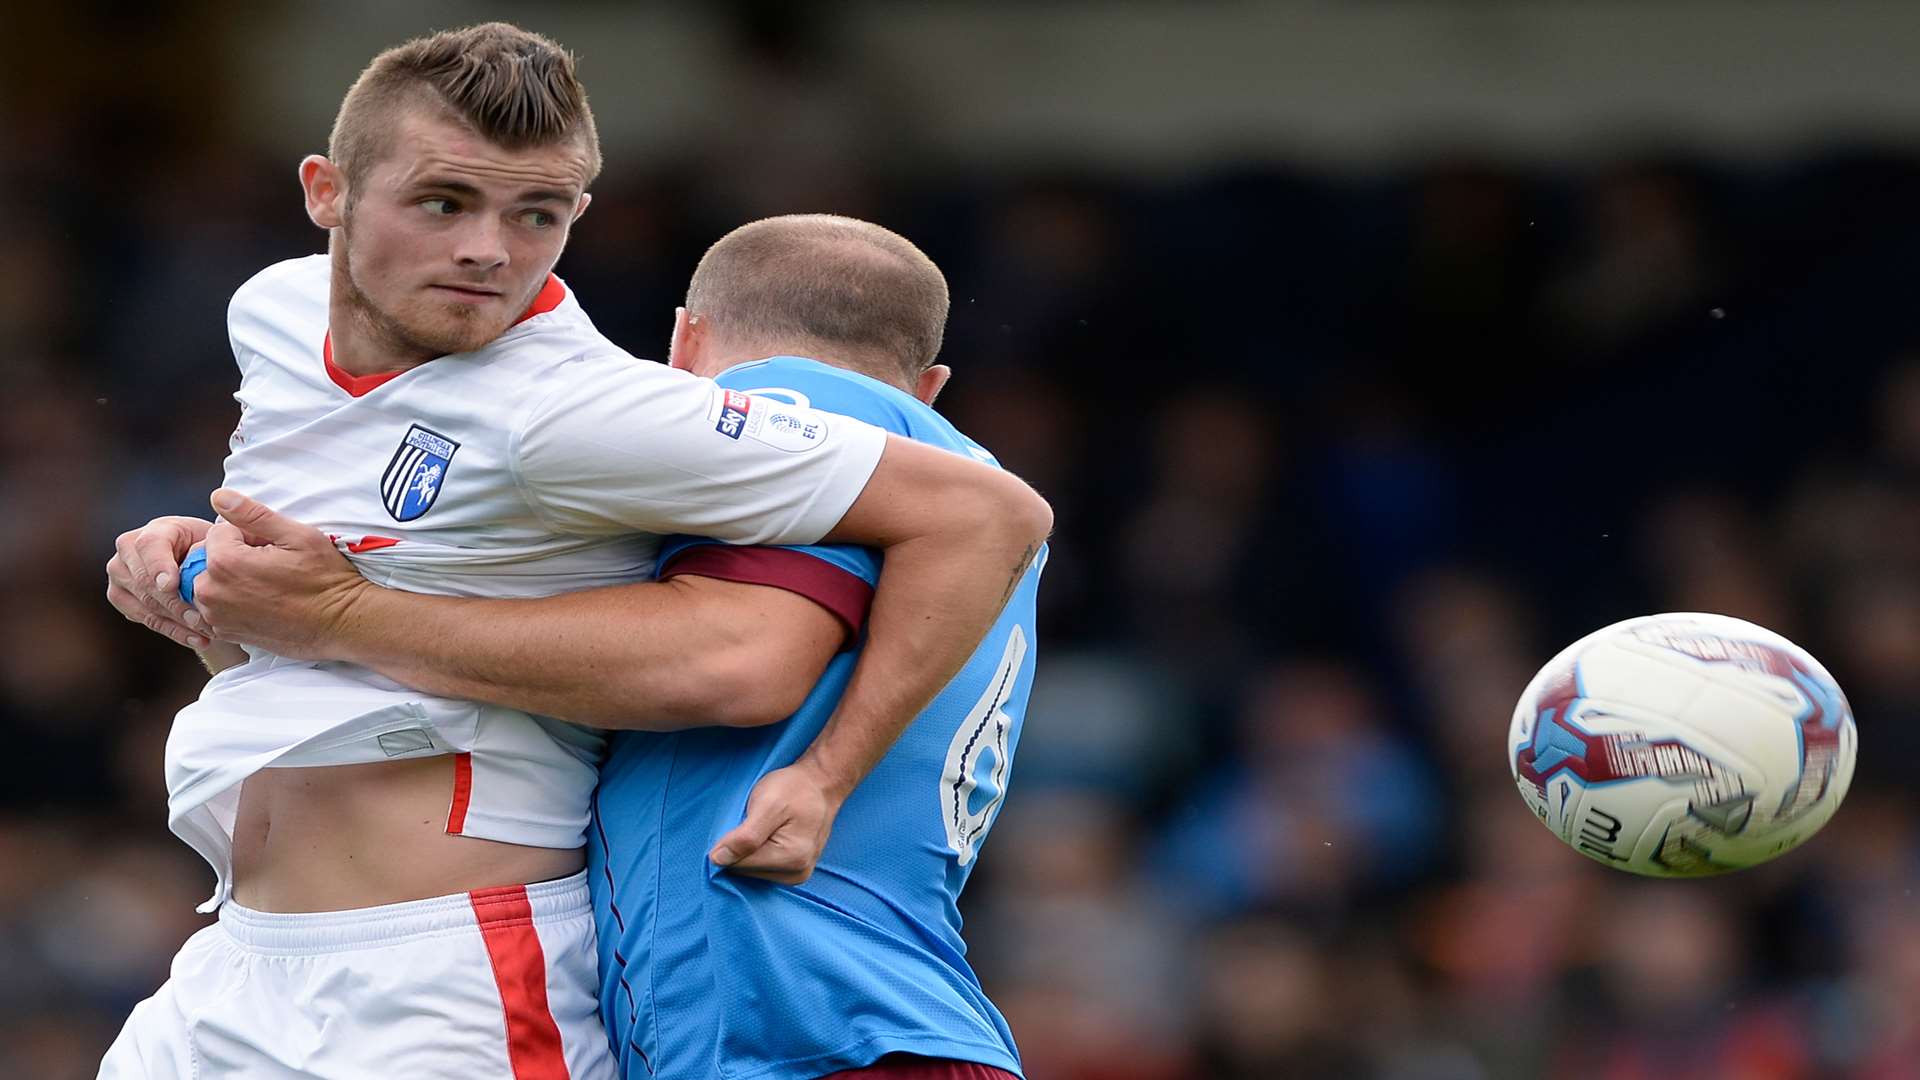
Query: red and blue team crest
{"x":733,"y":414}
{"x":418,"y":469}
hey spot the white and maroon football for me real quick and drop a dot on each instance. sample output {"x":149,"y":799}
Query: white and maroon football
{"x":1682,"y":745}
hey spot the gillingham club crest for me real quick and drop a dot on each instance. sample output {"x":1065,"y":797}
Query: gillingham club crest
{"x":418,"y":469}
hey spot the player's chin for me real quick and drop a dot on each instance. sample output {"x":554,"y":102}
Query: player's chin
{"x":461,"y":329}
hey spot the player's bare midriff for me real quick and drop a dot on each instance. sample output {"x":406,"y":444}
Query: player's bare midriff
{"x":352,"y":836}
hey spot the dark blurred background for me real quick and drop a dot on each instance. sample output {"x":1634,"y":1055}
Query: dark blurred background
{"x":1368,"y":352}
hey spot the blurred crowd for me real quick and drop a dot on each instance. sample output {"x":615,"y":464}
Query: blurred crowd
{"x":1337,"y":462}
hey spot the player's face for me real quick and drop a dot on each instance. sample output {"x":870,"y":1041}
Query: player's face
{"x":448,"y":238}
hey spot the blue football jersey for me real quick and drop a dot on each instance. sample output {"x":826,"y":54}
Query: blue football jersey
{"x":709,"y":974}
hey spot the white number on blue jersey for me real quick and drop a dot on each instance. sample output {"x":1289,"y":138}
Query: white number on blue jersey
{"x":982,"y":735}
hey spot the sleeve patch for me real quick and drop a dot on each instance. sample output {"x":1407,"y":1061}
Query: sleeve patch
{"x":735,"y":407}
{"x":784,"y":426}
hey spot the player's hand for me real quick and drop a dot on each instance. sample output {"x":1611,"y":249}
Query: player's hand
{"x":273,"y":582}
{"x":789,"y":817}
{"x":143,"y":578}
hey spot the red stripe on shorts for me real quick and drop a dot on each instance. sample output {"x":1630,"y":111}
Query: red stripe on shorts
{"x":911,"y":1067}
{"x":462,"y":793}
{"x":520,"y":971}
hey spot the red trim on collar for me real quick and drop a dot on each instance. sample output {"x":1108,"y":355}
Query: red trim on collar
{"x":355,"y":385}
{"x":548,"y":298}
{"x":545,"y":300}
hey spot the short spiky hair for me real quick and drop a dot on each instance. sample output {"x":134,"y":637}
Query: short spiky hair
{"x":513,"y":87}
{"x":824,"y":283}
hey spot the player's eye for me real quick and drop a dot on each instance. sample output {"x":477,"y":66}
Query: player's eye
{"x":438,"y":205}
{"x":540,"y":219}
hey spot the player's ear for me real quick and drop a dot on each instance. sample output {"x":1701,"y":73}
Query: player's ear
{"x":326,"y":190}
{"x":586,"y":198}
{"x":688,"y":336}
{"x":927,"y":387}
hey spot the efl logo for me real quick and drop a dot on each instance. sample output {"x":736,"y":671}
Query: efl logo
{"x":733,"y":414}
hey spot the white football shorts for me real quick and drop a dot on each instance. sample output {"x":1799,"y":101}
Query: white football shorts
{"x":494,"y":983}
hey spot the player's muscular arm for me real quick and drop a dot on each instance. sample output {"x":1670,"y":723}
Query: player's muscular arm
{"x":655,"y":655}
{"x":956,"y":537}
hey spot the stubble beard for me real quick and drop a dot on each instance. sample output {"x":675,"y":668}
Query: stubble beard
{"x":453,"y":328}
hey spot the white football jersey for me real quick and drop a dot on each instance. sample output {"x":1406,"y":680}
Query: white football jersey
{"x":550,"y":460}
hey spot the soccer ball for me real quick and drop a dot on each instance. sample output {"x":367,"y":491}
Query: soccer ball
{"x":1682,"y":745}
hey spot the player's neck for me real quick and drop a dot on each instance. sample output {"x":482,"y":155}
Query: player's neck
{"x":357,"y":343}
{"x":359,"y":348}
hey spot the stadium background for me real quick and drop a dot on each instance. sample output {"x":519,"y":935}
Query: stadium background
{"x":1368,"y":352}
